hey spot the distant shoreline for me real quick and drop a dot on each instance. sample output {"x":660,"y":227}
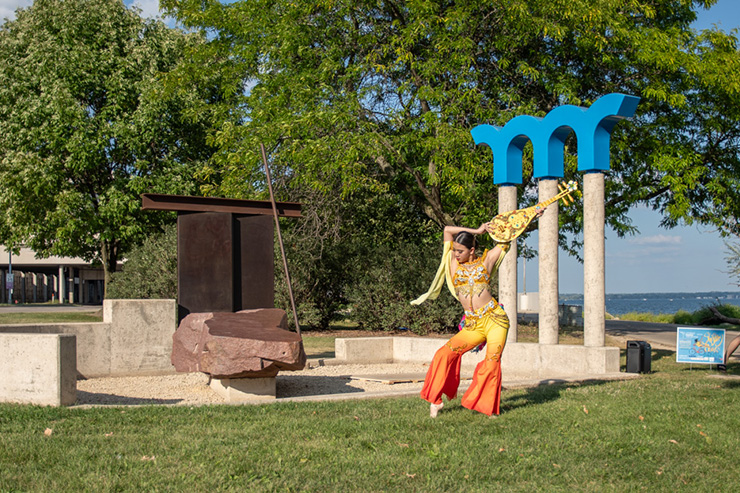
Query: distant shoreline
{"x":659,"y":303}
{"x":680,"y":294}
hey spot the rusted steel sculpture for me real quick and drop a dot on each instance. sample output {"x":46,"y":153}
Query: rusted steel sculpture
{"x":225,"y":251}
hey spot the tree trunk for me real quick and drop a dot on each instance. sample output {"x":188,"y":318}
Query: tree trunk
{"x":109,"y":256}
{"x":729,"y":320}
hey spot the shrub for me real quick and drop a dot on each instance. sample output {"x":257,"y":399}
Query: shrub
{"x":705,"y":316}
{"x":394,"y":277}
{"x":150,"y":270}
{"x":683,"y":317}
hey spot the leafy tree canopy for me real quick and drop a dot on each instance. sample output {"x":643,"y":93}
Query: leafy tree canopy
{"x":86,"y":127}
{"x":382,"y":95}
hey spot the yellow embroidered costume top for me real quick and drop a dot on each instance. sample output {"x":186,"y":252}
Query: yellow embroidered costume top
{"x":443,"y":274}
{"x":471,"y":278}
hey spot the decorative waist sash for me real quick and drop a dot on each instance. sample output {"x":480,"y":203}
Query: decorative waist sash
{"x":472,"y":316}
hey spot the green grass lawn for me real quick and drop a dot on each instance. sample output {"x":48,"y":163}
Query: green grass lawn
{"x":673,"y":430}
{"x":318,"y":345}
{"x":50,"y":317}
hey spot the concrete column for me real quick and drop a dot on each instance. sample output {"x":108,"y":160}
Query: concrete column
{"x":72,"y":287}
{"x":594,"y":286}
{"x":507,"y":282}
{"x":548,"y":264}
{"x":61,"y":280}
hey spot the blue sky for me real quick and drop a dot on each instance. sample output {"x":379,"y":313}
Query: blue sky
{"x":683,"y":259}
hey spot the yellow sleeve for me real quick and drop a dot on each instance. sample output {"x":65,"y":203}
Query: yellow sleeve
{"x":442,"y":276}
{"x":504,"y":249}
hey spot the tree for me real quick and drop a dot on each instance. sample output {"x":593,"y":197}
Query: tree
{"x":733,"y":260}
{"x":383,"y":96}
{"x":86,"y":127}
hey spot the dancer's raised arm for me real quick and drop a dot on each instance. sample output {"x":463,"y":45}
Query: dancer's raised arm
{"x":451,"y":231}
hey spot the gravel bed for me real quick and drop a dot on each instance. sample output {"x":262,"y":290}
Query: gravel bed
{"x":193,"y":388}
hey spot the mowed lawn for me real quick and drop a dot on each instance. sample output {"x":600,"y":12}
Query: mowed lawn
{"x":677,"y":429}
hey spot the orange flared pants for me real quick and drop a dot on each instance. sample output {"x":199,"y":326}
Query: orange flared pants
{"x":443,"y":376}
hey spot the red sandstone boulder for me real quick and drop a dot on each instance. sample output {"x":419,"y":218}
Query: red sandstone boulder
{"x":249,"y":343}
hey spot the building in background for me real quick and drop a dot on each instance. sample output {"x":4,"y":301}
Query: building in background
{"x":27,"y":279}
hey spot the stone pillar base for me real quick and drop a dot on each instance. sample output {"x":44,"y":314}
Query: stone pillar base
{"x":244,"y":389}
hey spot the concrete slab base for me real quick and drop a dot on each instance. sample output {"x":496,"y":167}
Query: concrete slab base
{"x":244,"y":389}
{"x":536,"y":360}
{"x":391,"y":379}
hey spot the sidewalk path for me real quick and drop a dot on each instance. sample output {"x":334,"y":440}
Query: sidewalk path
{"x":659,"y":336}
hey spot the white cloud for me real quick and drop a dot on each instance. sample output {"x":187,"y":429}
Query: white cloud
{"x":8,"y":8}
{"x":656,"y":240}
{"x":650,"y":254}
{"x":149,"y":8}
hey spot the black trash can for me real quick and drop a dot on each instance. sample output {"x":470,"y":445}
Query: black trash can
{"x":638,"y":357}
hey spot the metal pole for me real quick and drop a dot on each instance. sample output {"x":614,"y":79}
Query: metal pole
{"x":524,"y":275}
{"x":280,"y":240}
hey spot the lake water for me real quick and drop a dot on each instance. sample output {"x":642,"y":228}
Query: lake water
{"x":618,"y":304}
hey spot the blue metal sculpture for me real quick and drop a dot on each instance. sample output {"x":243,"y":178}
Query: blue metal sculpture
{"x":592,"y":126}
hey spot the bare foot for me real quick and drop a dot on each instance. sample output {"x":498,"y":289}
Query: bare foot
{"x":434,"y":409}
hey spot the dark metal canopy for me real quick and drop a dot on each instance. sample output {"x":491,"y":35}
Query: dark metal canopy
{"x":186,"y":203}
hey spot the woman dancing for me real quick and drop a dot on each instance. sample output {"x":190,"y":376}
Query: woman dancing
{"x":467,"y":276}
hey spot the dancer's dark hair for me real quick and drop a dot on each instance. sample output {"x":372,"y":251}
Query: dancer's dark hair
{"x":466,"y":239}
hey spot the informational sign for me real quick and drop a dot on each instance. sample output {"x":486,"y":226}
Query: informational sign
{"x":9,"y":281}
{"x":698,"y":345}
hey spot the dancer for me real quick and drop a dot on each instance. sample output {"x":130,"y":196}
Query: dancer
{"x":731,"y":347}
{"x":467,"y":276}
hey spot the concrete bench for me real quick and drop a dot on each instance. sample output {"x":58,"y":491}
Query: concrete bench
{"x":134,"y":338}
{"x":38,"y":369}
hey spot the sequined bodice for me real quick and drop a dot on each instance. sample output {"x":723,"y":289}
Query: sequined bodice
{"x":471,"y":278}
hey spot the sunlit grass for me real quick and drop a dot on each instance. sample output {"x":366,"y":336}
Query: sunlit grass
{"x":671,"y":430}
{"x":662,"y":318}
